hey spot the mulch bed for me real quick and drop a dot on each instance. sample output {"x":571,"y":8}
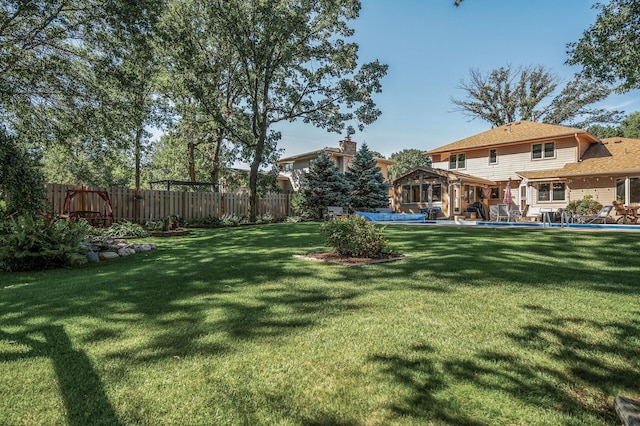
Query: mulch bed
{"x":333,"y":257}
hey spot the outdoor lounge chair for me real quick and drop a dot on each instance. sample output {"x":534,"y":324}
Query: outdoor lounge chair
{"x":600,"y":217}
{"x":516,"y":215}
{"x":503,"y":212}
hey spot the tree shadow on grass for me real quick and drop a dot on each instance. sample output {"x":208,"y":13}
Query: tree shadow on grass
{"x":464,"y":256}
{"x":418,"y":373}
{"x":555,"y":365}
{"x":80,"y":385}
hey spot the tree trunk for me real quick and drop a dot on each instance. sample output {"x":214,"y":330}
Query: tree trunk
{"x":192,"y":161}
{"x":215,"y":147}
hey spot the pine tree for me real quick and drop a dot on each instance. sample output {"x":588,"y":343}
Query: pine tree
{"x":323,"y":186}
{"x":368,"y":188}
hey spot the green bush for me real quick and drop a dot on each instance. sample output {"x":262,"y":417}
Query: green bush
{"x":265,"y":218}
{"x":354,"y":236}
{"x":31,"y":243}
{"x":585,"y":206}
{"x":126,"y":229}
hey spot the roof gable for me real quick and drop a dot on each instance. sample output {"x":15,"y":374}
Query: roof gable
{"x":512,"y":133}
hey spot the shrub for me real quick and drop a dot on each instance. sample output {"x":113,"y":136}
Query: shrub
{"x":31,"y":243}
{"x":126,"y":229}
{"x":354,"y":236}
{"x":585,"y":206}
{"x":230,"y":220}
{"x":265,"y":218}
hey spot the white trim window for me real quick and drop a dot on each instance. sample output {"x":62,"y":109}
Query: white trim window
{"x":551,"y":192}
{"x":629,"y":185}
{"x":541,"y":151}
{"x":457,"y":161}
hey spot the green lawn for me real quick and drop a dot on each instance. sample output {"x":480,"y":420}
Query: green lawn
{"x":477,"y":326}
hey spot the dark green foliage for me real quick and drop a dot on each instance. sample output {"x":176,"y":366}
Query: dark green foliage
{"x":406,"y":160}
{"x":31,"y":243}
{"x":628,"y":128}
{"x":585,"y":206}
{"x":602,"y":132}
{"x":368,"y":188}
{"x":354,"y":236}
{"x":608,"y":49}
{"x":321,"y":187}
{"x":21,"y":180}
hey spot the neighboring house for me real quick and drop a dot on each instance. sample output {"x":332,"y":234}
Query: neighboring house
{"x":295,"y":166}
{"x":544,"y":165}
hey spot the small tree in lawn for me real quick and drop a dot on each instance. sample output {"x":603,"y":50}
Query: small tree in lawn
{"x":368,"y":188}
{"x":323,"y":186}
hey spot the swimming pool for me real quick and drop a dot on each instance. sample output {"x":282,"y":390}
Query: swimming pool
{"x":418,"y":219}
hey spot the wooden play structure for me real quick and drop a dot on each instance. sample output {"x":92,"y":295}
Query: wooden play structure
{"x":92,"y":205}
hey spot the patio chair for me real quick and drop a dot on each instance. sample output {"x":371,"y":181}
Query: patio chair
{"x":601,"y":216}
{"x":624,"y":214}
{"x":503,"y":213}
{"x":336,"y":212}
{"x":516,"y":215}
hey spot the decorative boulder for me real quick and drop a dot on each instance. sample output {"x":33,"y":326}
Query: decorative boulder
{"x":93,"y":257}
{"x":105,"y":255}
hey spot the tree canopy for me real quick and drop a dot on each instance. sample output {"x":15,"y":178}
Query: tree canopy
{"x":608,"y":49}
{"x":509,"y":94}
{"x":406,"y":160}
{"x":84,"y":80}
{"x":628,"y":128}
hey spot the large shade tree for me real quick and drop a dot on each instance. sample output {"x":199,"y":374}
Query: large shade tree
{"x":509,"y":94}
{"x":406,"y":160}
{"x":608,"y":49}
{"x":294,"y":62}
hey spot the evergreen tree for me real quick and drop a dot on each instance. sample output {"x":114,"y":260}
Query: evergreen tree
{"x":368,"y":188}
{"x":323,"y":186}
{"x":21,"y":180}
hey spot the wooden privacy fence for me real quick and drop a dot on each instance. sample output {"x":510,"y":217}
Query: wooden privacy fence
{"x":141,"y":206}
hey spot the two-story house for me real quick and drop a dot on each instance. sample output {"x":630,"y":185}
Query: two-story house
{"x":537,"y":164}
{"x":295,"y":166}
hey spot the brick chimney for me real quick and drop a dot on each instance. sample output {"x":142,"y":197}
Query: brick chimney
{"x":348,"y":146}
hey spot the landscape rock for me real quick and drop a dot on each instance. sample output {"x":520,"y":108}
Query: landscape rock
{"x":93,"y":257}
{"x":103,"y":248}
{"x":106,"y":255}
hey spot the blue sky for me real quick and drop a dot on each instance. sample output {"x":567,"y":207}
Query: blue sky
{"x":430,"y":46}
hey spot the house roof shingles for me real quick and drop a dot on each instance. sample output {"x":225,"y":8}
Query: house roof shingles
{"x":611,"y":156}
{"x":516,"y":132}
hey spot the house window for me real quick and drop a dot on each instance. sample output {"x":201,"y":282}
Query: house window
{"x":470,"y":194}
{"x":495,"y":193}
{"x":620,"y":190}
{"x":457,"y":161}
{"x":493,"y":156}
{"x":551,"y":191}
{"x":417,"y":193}
{"x":543,"y":150}
{"x":634,"y":190}
{"x":288,"y":167}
